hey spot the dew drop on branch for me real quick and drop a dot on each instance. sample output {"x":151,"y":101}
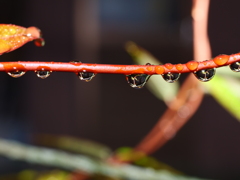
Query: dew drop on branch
{"x":205,"y":74}
{"x":16,"y":74}
{"x":171,"y":77}
{"x":43,"y":74}
{"x":86,"y":76}
{"x":137,"y":81}
{"x":235,"y":66}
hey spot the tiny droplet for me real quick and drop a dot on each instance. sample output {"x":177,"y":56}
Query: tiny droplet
{"x":43,"y":74}
{"x":159,"y":69}
{"x":86,"y":76}
{"x":235,"y":66}
{"x":171,"y":77}
{"x":179,"y":67}
{"x":40,"y":42}
{"x":169,"y":66}
{"x":16,"y":74}
{"x":137,"y":81}
{"x":150,"y":68}
{"x":192,"y":65}
{"x":205,"y":74}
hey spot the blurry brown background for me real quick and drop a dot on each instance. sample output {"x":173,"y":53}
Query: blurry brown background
{"x":107,"y":109}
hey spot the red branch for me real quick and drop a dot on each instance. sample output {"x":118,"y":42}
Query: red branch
{"x":183,"y":107}
{"x":191,"y":66}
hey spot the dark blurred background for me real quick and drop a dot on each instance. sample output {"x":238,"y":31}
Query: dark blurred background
{"x":107,"y":109}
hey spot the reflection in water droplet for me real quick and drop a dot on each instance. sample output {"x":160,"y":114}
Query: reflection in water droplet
{"x":43,"y":74}
{"x":137,"y":81}
{"x":86,"y":76}
{"x":205,"y":74}
{"x":40,"y":42}
{"x":171,"y":77}
{"x":16,"y":74}
{"x":235,"y":66}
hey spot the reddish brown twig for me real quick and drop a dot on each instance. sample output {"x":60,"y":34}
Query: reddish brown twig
{"x":190,"y":95}
{"x":191,"y":66}
{"x":185,"y":105}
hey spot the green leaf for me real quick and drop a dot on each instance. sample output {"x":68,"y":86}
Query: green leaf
{"x":226,"y":91}
{"x":77,"y":145}
{"x":160,"y":88}
{"x":143,"y":160}
{"x":225,"y":71}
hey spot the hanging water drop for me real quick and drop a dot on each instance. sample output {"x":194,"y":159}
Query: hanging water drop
{"x":205,"y":74}
{"x":171,"y":77}
{"x":40,"y":42}
{"x":235,"y":66}
{"x":137,"y":81}
{"x":43,"y":74}
{"x":16,"y":74}
{"x":86,"y":76}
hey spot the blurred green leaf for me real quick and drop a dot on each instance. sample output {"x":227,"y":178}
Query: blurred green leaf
{"x":162,"y":90}
{"x":54,"y":175}
{"x":143,"y":160}
{"x":77,"y":145}
{"x":148,"y":161}
{"x":72,"y":162}
{"x":225,"y":71}
{"x":226,"y":91}
{"x":128,"y":154}
{"x":27,"y":175}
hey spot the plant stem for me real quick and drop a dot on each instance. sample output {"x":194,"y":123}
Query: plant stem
{"x":191,"y":66}
{"x":60,"y":159}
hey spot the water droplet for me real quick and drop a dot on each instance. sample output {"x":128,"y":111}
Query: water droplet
{"x":150,"y":68}
{"x":205,"y":74}
{"x":235,"y":66}
{"x":16,"y":74}
{"x":221,"y":59}
{"x":137,"y":81}
{"x":159,"y":69}
{"x":40,"y":42}
{"x":76,"y":63}
{"x":86,"y":76}
{"x":192,"y":65}
{"x":169,"y":66}
{"x":171,"y":77}
{"x":179,"y":67}
{"x":43,"y":74}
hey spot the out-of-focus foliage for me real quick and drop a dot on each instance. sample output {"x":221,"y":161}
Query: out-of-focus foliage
{"x":77,"y":145}
{"x":224,"y":87}
{"x":27,"y":175}
{"x":54,"y":175}
{"x":156,"y":84}
{"x":143,"y":160}
{"x":39,"y":175}
{"x":226,"y":90}
{"x":77,"y":163}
